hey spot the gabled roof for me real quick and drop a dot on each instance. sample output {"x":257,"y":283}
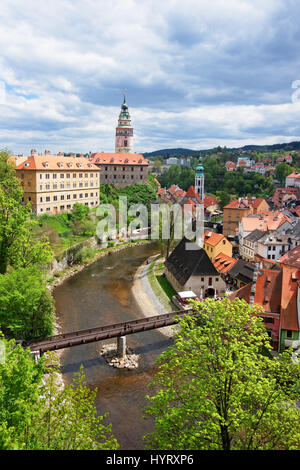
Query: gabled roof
{"x":191,"y":193}
{"x":291,"y":258}
{"x":223,"y":262}
{"x":184,"y":263}
{"x":212,"y":238}
{"x":255,"y":235}
{"x":242,"y":270}
{"x":267,"y":290}
{"x":290,"y":283}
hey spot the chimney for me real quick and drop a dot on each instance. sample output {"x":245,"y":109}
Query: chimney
{"x":33,"y":152}
{"x":47,"y":152}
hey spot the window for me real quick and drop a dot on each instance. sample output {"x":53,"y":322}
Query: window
{"x":62,"y":197}
{"x":41,"y":176}
{"x":68,"y":175}
{"x":47,"y":186}
{"x":62,"y":186}
{"x":62,"y":175}
{"x":48,"y":199}
{"x":74,"y":175}
{"x":289,"y":334}
{"x":47,"y":176}
{"x":68,"y":196}
{"x":80,"y":175}
{"x":54,"y":198}
{"x":74,"y":196}
{"x":86,"y":195}
{"x":54,"y":176}
{"x":41,"y":199}
{"x":86,"y":175}
{"x":81,"y":195}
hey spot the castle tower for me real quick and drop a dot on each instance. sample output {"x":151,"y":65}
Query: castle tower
{"x":124,"y":131}
{"x":199,"y":179}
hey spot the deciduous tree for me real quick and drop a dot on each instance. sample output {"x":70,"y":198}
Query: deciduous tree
{"x":215,"y":390}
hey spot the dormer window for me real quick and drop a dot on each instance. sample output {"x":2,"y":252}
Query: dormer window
{"x":70,"y":164}
{"x":112,"y":160}
{"x":60,"y":164}
{"x":126,"y":160}
{"x":98,"y":160}
{"x":26,"y":164}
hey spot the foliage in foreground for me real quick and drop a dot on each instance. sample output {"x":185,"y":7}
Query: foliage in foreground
{"x":215,"y":390}
{"x":26,"y":305}
{"x":37,"y":413}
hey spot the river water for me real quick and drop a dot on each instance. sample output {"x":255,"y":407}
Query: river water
{"x":99,"y":295}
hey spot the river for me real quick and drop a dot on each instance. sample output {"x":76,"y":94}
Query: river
{"x":99,"y":295}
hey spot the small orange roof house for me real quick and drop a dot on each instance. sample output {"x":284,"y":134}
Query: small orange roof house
{"x":215,"y":243}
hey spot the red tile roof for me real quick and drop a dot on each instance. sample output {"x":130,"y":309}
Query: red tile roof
{"x":210,"y":201}
{"x":223,"y":263}
{"x":118,"y":158}
{"x":291,"y":258}
{"x":290,"y":283}
{"x":212,"y":238}
{"x":191,"y":193}
{"x":54,"y":162}
{"x":267,"y":291}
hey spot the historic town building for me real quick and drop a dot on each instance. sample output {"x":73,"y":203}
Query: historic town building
{"x":53,"y":184}
{"x":189,"y":268}
{"x":123,"y":167}
{"x":124,"y":131}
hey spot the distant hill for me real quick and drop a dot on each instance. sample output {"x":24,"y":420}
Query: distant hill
{"x":185,"y":152}
{"x":170,"y":153}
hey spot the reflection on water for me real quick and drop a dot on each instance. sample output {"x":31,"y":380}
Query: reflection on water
{"x":99,"y":295}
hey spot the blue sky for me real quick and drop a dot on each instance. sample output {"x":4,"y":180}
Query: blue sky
{"x":198,"y":73}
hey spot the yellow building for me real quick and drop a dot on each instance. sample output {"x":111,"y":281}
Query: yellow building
{"x":215,"y":243}
{"x":53,"y":184}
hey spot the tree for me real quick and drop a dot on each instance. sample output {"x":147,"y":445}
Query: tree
{"x":19,"y":245}
{"x":26,"y":305}
{"x":37,"y":412}
{"x":79,"y":211}
{"x":215,"y":390}
{"x":282,"y":171}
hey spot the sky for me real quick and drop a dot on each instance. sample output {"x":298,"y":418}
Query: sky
{"x":197,"y":73}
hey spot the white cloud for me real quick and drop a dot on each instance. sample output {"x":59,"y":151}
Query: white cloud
{"x":197,"y":72}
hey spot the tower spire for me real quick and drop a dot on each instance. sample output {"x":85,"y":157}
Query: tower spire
{"x":199,"y":179}
{"x":124,"y":130}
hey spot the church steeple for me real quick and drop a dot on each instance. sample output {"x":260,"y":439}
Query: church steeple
{"x":199,"y":179}
{"x":124,"y":130}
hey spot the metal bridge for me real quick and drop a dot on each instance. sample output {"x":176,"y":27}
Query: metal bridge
{"x":100,"y":333}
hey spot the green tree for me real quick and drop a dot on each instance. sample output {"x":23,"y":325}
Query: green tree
{"x":79,"y":211}
{"x":215,"y":390}
{"x":38,"y":413}
{"x":26,"y":305}
{"x":19,"y":245}
{"x":282,"y":171}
